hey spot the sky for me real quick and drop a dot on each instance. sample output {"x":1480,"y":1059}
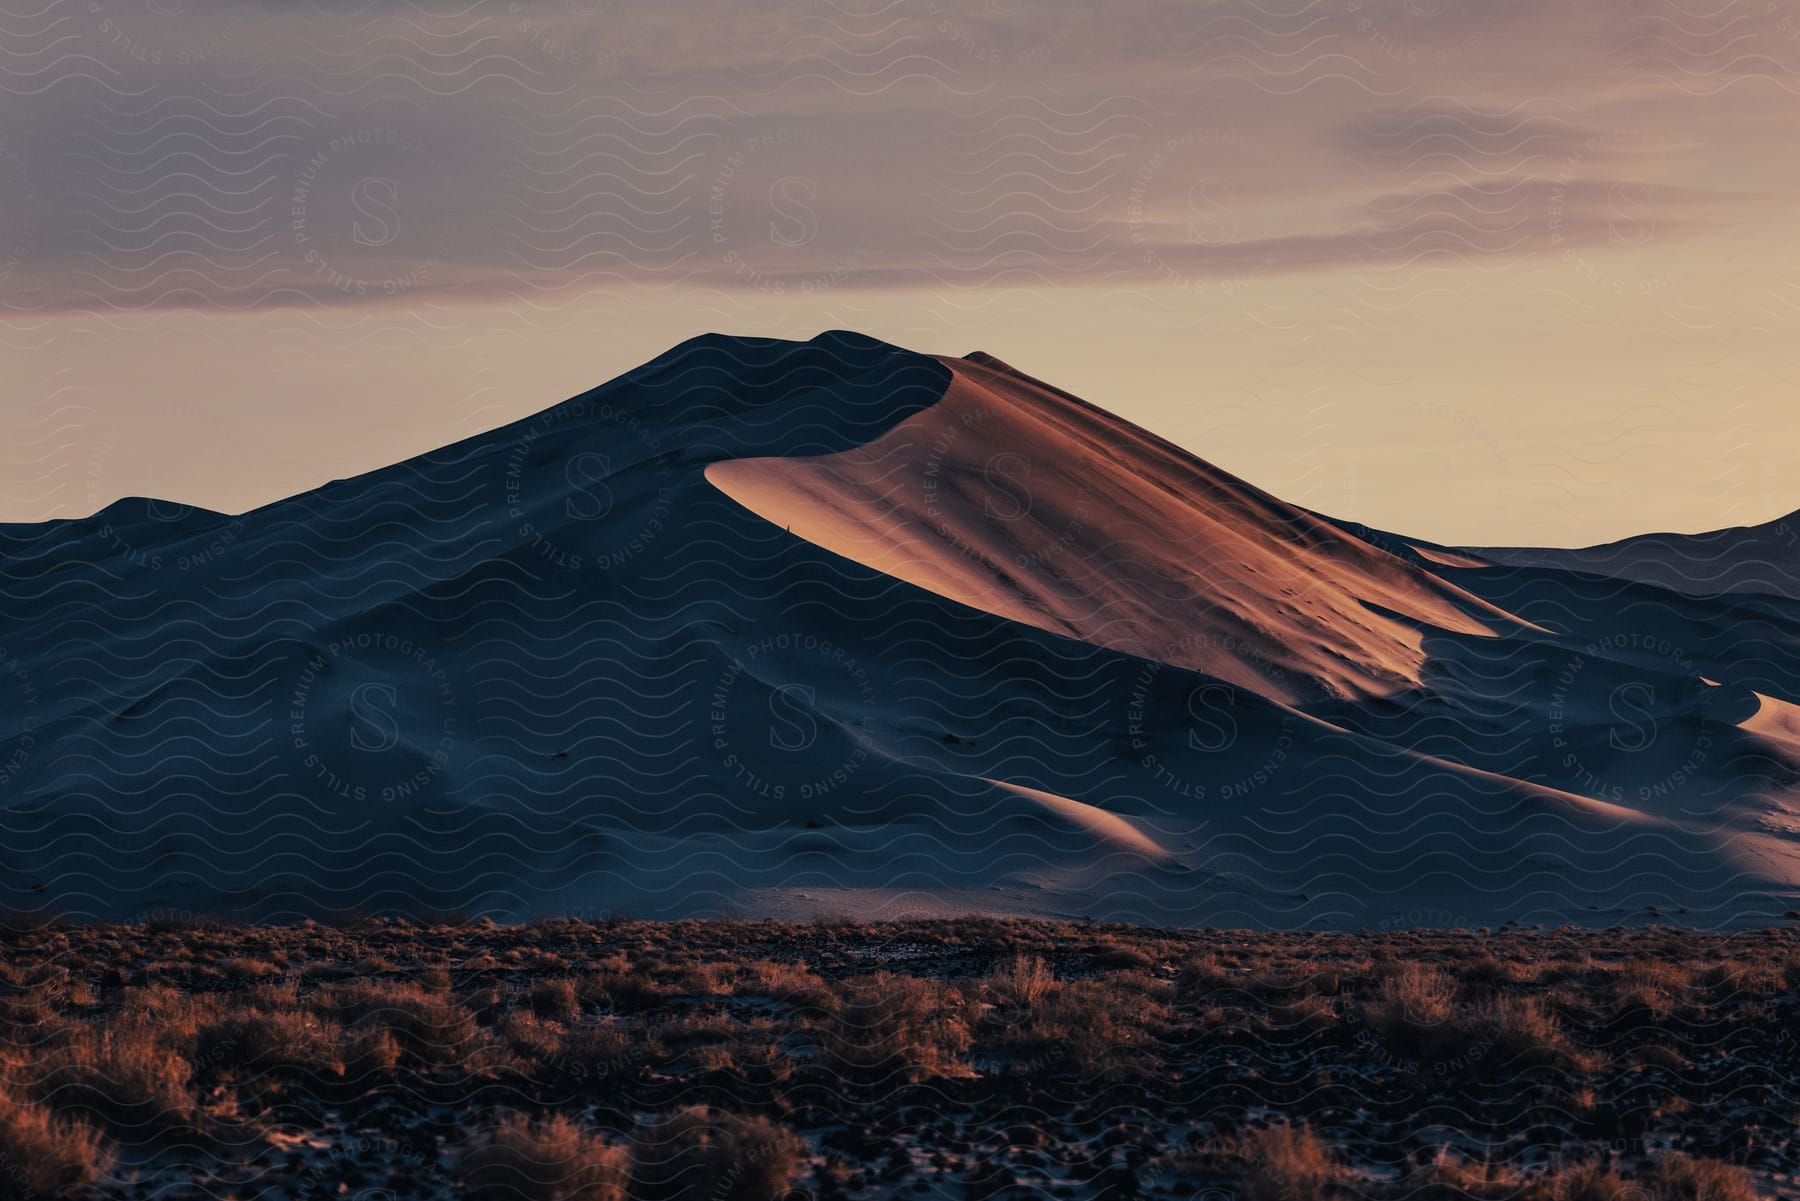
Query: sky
{"x":1483,"y":272}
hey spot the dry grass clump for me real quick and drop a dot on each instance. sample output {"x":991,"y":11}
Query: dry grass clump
{"x":1521,"y":1032}
{"x":1657,"y":989}
{"x":1018,"y":984}
{"x":244,"y":968}
{"x":702,"y":980}
{"x":430,"y":1029}
{"x":1679,"y":1177}
{"x":1420,"y":1015}
{"x":1119,"y":956}
{"x":1287,"y":1163}
{"x":252,"y":1042}
{"x":44,"y":1155}
{"x":1486,"y":970}
{"x":597,"y":1053}
{"x":29,"y":998}
{"x":1586,"y":1182}
{"x":793,"y":986}
{"x":1090,"y":1026}
{"x":1204,"y":977}
{"x":1451,"y":1177}
{"x":556,"y":999}
{"x":551,"y":1159}
{"x":1673,"y":1177}
{"x":128,"y":1075}
{"x":528,"y":1038}
{"x":621,"y":985}
{"x":1415,"y":1013}
{"x":701,"y":1154}
{"x":1301,"y":1019}
{"x":895,"y":1028}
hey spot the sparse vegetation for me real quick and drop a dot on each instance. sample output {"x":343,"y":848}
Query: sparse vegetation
{"x":43,"y":1155}
{"x":1282,"y":1163}
{"x":699,"y":1154}
{"x":1680,"y":1177}
{"x":551,"y":1159}
{"x":638,"y":1061}
{"x":889,"y":1029}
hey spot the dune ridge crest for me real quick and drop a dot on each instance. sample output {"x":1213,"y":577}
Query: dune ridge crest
{"x":835,"y":628}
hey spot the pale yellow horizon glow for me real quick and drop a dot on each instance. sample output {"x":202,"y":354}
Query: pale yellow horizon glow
{"x":1433,"y":427}
{"x":1483,"y":273}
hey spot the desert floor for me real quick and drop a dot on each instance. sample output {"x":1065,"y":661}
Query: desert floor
{"x":962,"y":1058}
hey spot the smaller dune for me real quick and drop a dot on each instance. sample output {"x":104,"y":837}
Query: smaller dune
{"x":1106,"y":827}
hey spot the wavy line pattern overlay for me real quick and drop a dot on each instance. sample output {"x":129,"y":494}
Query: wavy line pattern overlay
{"x":1069,"y":816}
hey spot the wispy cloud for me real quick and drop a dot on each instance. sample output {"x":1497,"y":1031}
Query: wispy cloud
{"x":228,"y":154}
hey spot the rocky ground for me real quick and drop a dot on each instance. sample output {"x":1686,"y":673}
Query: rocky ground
{"x":963,"y":1058}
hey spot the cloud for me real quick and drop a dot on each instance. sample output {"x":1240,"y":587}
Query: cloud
{"x":235,"y":154}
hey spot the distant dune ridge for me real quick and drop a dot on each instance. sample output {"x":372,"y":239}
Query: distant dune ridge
{"x":1756,"y":558}
{"x":767,"y":627}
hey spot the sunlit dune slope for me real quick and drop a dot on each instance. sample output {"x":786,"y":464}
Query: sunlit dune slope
{"x":1021,"y":500}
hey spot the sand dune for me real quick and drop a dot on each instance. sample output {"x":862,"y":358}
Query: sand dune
{"x":1105,"y":827}
{"x":1756,"y":559}
{"x":1776,"y":720}
{"x":1022,"y":501}
{"x":824,"y":627}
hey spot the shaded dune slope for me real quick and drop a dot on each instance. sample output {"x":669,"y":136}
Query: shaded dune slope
{"x":1756,"y":559}
{"x":773,"y":627}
